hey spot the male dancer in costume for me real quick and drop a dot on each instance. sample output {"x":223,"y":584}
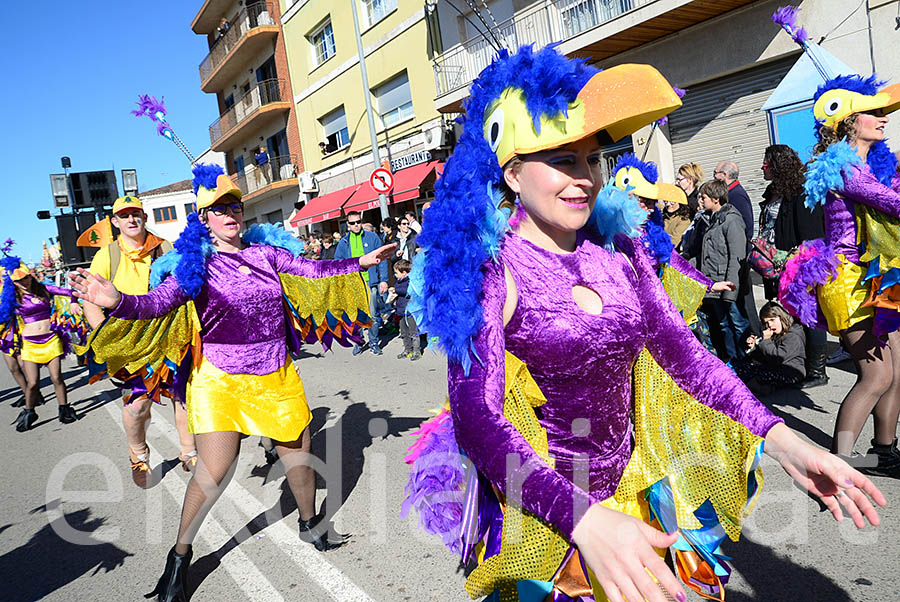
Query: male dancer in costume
{"x":126,"y":262}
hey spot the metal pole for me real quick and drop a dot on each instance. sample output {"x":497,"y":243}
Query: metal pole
{"x":376,"y":159}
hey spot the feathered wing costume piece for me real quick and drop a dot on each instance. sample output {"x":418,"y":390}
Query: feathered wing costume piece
{"x":519,"y":105}
{"x":10,"y":327}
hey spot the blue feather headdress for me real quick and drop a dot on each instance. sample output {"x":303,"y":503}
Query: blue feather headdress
{"x":647,"y":168}
{"x":8,"y":302}
{"x":465,"y":227}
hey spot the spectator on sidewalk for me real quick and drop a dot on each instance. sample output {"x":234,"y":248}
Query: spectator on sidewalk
{"x":727,"y":171}
{"x":677,"y":218}
{"x":328,"y":247}
{"x":356,"y":244}
{"x":688,"y":179}
{"x":723,"y":250}
{"x":778,"y":358}
{"x":414,"y":225}
{"x":406,"y":240}
{"x":408,"y":330}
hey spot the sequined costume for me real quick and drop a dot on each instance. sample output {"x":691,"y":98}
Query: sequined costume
{"x":43,"y":348}
{"x":231,"y":341}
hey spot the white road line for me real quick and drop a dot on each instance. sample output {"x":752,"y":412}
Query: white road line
{"x":320,"y":571}
{"x":248,"y":577}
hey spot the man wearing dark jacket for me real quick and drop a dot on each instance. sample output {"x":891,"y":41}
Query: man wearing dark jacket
{"x":727,"y":171}
{"x":723,"y":252}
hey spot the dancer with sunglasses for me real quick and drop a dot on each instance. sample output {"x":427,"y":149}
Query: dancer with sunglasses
{"x":216,"y":331}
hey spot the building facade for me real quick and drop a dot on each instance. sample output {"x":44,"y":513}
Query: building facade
{"x":413,"y":137}
{"x":246,"y":69}
{"x":727,"y":54}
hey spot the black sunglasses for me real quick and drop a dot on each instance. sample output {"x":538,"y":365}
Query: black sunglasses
{"x":221,"y":209}
{"x":349,"y":223}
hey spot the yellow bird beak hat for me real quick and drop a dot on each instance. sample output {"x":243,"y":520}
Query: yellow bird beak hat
{"x":841,"y":96}
{"x":211,"y":184}
{"x":641,"y":178}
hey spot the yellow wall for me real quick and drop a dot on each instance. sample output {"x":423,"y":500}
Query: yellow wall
{"x":407,"y":50}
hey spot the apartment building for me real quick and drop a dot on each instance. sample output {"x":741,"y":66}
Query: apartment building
{"x":329,"y":98}
{"x":256,"y":129}
{"x":727,"y":54}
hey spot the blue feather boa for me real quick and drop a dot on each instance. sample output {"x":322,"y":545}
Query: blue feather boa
{"x":827,"y":172}
{"x":8,"y":302}
{"x":656,"y":239}
{"x":194,"y":247}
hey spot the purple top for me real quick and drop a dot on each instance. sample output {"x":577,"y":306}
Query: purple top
{"x":583,"y":364}
{"x":240,"y":307}
{"x":34,"y":308}
{"x":840,"y":216}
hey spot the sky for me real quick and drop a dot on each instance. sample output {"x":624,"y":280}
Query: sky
{"x":74,"y":71}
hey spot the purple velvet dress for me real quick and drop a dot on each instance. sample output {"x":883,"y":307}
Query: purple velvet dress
{"x":840,"y":216}
{"x":583,"y":365}
{"x":241,"y":307}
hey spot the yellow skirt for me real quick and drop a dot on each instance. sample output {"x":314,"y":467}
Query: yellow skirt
{"x":42,"y":353}
{"x":842,"y":299}
{"x":273,"y":405}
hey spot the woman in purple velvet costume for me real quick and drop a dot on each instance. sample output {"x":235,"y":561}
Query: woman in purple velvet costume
{"x":244,"y":382}
{"x":573,"y":296}
{"x":41,"y":345}
{"x":853,"y":174}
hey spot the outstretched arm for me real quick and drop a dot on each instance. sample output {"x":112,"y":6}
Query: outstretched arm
{"x":863,"y":187}
{"x":100,"y":291}
{"x":285,"y":262}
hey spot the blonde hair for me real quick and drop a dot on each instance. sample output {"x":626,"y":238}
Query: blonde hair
{"x":692,"y":171}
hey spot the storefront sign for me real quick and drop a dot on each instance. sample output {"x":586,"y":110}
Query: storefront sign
{"x":422,"y":156}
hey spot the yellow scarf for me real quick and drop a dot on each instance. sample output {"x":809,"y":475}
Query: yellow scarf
{"x":135,"y":255}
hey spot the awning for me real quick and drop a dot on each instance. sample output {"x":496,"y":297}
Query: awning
{"x":406,"y":187}
{"x":325,"y":207}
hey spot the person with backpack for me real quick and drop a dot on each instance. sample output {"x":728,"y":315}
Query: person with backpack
{"x":126,"y":262}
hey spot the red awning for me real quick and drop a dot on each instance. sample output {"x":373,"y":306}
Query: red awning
{"x":325,"y":207}
{"x":406,"y":187}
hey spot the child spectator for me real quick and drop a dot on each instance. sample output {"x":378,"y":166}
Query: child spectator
{"x":724,"y":248}
{"x":409,"y":332}
{"x":778,"y":359}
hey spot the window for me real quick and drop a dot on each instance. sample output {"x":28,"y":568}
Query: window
{"x":323,"y":43}
{"x":229,"y":101}
{"x":249,"y":222}
{"x":376,"y":10}
{"x":239,"y":165}
{"x":275,"y":217}
{"x":189,"y":208}
{"x":394,"y":100}
{"x":162,"y":215}
{"x":334,"y":128}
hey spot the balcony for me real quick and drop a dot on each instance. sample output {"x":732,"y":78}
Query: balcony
{"x":258,"y":107}
{"x":209,"y":15}
{"x":590,"y":29}
{"x":252,"y":30}
{"x":257,"y":181}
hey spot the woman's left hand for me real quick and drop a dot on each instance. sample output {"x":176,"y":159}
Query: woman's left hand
{"x":826,"y":476}
{"x":722,"y":286}
{"x":375,"y":257}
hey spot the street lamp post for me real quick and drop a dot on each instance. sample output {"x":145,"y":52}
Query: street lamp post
{"x":376,"y":159}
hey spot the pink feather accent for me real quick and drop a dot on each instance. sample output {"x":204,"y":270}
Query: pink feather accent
{"x":424,"y":434}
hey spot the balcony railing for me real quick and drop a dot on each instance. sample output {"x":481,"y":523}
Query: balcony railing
{"x":263,"y":93}
{"x":246,"y":20}
{"x":552,"y":21}
{"x":257,"y":177}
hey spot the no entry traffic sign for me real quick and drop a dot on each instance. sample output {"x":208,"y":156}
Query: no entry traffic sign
{"x":381,"y":180}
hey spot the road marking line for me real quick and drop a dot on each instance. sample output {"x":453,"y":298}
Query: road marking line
{"x":320,"y":571}
{"x":248,"y":577}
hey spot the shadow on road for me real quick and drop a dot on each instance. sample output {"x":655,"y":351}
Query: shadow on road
{"x":774,"y":577}
{"x":355,"y":431}
{"x":783,"y":401}
{"x":47,"y":562}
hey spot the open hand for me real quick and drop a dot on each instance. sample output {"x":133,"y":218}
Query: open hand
{"x":375,"y":257}
{"x":94,"y":289}
{"x":619,"y":550}
{"x":722,"y":286}
{"x":826,"y":476}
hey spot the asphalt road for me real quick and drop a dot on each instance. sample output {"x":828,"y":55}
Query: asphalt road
{"x":74,"y":527}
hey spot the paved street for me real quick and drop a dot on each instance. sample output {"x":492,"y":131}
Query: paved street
{"x":74,"y":527}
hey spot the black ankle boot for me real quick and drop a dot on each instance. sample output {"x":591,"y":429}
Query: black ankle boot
{"x":67,"y":414}
{"x":172,"y":585}
{"x":319,"y":540}
{"x":888,"y":460}
{"x":25,"y":420}
{"x":815,"y":367}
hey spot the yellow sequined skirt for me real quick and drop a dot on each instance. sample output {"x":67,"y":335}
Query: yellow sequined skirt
{"x":42,"y":353}
{"x":272,"y":405}
{"x":841,"y":300}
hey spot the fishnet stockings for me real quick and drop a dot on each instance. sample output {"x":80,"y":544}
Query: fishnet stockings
{"x":876,"y":391}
